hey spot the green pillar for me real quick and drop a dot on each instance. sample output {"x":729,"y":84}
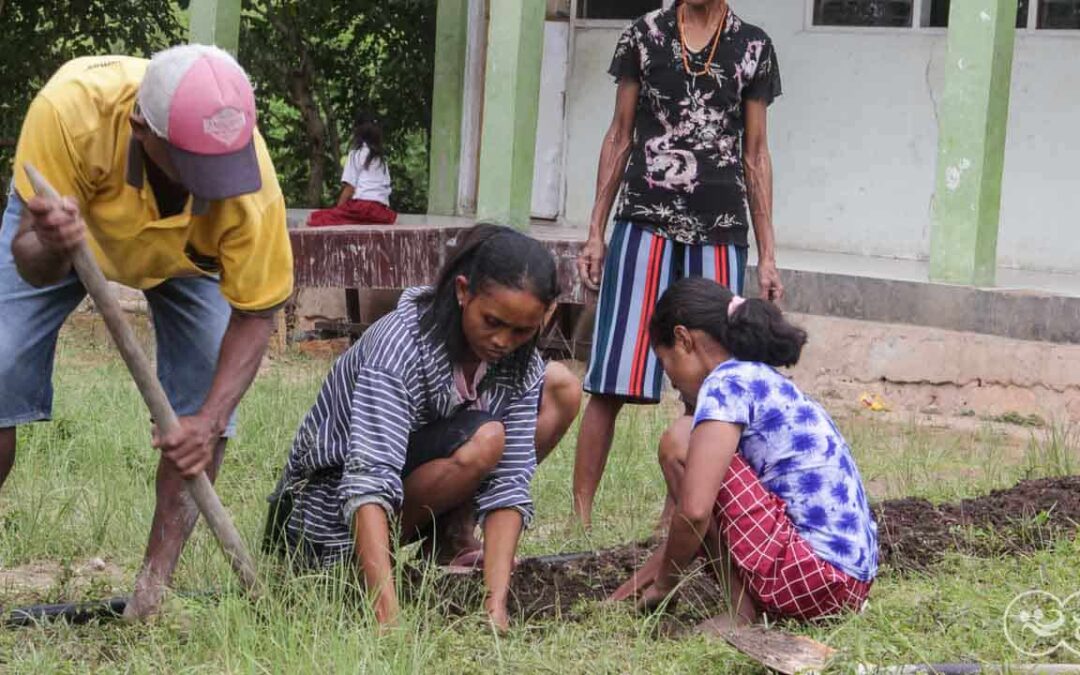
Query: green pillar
{"x":511,"y":106}
{"x":216,"y":22}
{"x":971,"y":149}
{"x":447,"y":101}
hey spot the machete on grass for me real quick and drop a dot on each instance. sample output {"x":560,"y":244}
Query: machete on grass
{"x":200,"y":489}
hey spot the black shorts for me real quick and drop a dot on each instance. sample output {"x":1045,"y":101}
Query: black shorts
{"x":442,"y":438}
{"x":438,"y":440}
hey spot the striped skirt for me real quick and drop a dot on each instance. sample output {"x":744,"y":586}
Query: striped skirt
{"x":638,"y":269}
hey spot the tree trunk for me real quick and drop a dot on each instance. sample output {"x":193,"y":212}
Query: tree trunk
{"x":300,"y":85}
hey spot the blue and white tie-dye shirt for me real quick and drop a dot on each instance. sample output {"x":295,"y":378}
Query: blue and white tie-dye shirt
{"x":798,"y":453}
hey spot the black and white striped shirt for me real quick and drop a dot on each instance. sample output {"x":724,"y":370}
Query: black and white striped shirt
{"x":350,"y":448}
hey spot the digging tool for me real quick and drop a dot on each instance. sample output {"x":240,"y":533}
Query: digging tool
{"x":200,"y":489}
{"x":779,"y":651}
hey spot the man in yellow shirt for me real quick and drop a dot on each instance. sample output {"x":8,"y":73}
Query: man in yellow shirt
{"x":178,"y":197}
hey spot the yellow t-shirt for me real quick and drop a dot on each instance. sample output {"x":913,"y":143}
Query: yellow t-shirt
{"x":77,"y":133}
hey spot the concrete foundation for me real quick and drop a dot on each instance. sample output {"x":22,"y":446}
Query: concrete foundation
{"x":918,"y":369}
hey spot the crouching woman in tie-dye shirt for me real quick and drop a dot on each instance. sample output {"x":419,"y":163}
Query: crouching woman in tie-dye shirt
{"x":440,"y":412}
{"x":761,"y":474}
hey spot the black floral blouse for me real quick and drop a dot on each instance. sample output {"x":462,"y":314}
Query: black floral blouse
{"x":685,"y":176}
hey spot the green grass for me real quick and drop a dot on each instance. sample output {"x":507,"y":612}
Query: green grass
{"x":83,"y":488}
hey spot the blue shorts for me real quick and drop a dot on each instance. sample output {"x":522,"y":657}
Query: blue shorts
{"x":190,"y":317}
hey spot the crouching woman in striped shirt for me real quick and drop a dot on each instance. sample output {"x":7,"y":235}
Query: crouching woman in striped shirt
{"x":436,"y":418}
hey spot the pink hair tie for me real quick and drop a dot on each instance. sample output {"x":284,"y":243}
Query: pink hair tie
{"x":733,"y":306}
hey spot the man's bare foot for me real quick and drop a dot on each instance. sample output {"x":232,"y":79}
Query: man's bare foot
{"x":721,"y":625}
{"x":146,"y":600}
{"x":451,"y":536}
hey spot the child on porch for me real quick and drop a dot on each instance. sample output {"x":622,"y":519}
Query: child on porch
{"x":365,"y":189}
{"x":760,"y":472}
{"x":440,"y":411}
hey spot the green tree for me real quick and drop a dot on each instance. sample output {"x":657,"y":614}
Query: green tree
{"x":40,"y":35}
{"x":315,"y":62}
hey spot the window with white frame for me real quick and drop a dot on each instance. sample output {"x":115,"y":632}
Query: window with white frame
{"x":1043,"y":15}
{"x":615,"y":9}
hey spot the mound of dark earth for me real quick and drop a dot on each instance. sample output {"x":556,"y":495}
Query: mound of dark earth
{"x":914,"y":534}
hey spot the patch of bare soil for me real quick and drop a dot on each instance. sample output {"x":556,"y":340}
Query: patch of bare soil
{"x":914,"y":534}
{"x":47,"y":580}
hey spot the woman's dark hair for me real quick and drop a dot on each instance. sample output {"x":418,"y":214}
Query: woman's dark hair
{"x":367,"y":131}
{"x":756,"y":331}
{"x":489,"y":255}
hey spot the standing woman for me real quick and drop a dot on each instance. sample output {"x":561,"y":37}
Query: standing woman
{"x":365,"y":182}
{"x":687,"y":147}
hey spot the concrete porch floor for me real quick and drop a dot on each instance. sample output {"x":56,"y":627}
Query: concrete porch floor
{"x":1025,"y":305}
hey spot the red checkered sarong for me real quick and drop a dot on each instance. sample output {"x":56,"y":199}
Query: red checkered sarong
{"x":779,"y":567}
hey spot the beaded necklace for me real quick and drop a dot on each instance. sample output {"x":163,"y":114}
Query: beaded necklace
{"x":686,"y":49}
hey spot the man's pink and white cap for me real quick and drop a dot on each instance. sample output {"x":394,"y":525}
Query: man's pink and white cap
{"x":200,"y":101}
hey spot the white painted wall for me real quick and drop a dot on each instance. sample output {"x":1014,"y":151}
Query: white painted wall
{"x":550,"y":124}
{"x":854,"y":137}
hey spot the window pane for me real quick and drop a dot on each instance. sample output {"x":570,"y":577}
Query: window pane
{"x":939,"y":14}
{"x":1059,"y":14}
{"x":616,"y":9}
{"x":888,"y":13}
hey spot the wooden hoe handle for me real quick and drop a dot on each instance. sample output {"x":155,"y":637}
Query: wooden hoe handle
{"x":161,"y":410}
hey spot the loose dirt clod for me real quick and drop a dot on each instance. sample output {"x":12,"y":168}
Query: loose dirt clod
{"x":1031,"y":515}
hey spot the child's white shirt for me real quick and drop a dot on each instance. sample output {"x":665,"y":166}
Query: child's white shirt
{"x":370,"y":184}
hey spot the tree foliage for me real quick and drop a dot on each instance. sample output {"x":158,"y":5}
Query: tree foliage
{"x":317,"y":61}
{"x":314,"y":63}
{"x":40,"y":35}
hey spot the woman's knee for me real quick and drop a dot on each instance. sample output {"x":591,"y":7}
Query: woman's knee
{"x":563,"y":388}
{"x":675,"y":442}
{"x":483,"y":451}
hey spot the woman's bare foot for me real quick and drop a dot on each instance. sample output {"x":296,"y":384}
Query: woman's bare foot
{"x":451,"y":536}
{"x":721,"y":625}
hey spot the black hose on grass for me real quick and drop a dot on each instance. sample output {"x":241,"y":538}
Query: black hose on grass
{"x":77,"y":613}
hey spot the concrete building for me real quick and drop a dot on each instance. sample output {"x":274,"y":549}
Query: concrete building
{"x":855,"y":138}
{"x":921,"y":177}
{"x":923,"y":154}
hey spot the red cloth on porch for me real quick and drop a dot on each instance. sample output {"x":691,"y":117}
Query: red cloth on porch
{"x":355,"y":212}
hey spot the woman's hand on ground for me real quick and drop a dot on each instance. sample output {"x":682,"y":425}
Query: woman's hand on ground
{"x":640,"y":580}
{"x":386,"y":608}
{"x":654,"y":597}
{"x":591,"y":262}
